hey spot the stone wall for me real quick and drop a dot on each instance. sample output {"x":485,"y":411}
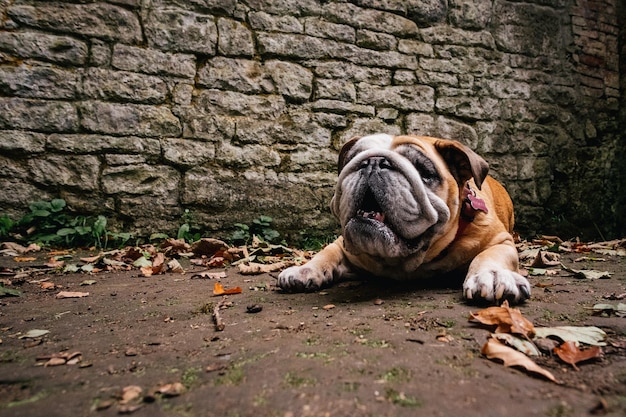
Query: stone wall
{"x":140,"y":109}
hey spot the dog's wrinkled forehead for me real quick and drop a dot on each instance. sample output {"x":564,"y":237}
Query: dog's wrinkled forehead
{"x":372,"y":142}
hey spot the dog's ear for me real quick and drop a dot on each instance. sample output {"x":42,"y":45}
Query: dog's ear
{"x":343,"y":154}
{"x":463,"y":162}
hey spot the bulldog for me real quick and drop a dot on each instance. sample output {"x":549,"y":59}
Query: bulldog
{"x":417,"y":206}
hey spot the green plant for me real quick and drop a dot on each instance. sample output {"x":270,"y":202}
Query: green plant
{"x":260,"y":227}
{"x":6,"y":224}
{"x":49,"y":223}
{"x":184,"y":231}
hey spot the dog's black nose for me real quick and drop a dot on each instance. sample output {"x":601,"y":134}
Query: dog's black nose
{"x":376,"y":162}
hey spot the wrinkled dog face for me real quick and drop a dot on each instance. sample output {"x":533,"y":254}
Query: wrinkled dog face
{"x":390,"y":197}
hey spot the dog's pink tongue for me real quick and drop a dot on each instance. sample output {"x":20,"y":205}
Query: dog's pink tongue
{"x":375,"y":215}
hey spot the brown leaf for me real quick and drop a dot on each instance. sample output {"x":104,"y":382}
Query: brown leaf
{"x":493,"y":349}
{"x":218,"y":289}
{"x":254,"y":268}
{"x":24,"y":259}
{"x":55,"y":263}
{"x":208,"y":247}
{"x":130,"y":393}
{"x":506,"y":320}
{"x":158,"y":262}
{"x":19,"y":249}
{"x":175,"y":266}
{"x":171,"y":390}
{"x":210,"y":275}
{"x":56,"y":361}
{"x":544,"y":259}
{"x":71,"y":294}
{"x":569,"y":353}
{"x":90,"y":259}
{"x":47,"y":285}
{"x":175,"y":246}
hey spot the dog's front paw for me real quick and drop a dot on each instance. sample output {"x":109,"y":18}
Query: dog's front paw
{"x":496,"y":284}
{"x":301,"y":279}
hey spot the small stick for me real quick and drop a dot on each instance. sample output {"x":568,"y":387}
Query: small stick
{"x":219,"y":323}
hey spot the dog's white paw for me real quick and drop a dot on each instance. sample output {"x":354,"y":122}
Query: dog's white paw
{"x":496,"y":284}
{"x":302,"y":278}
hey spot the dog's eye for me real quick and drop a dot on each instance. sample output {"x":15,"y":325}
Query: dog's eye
{"x":427,"y":171}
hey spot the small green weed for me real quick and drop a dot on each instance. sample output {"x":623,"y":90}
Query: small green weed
{"x":260,"y":227}
{"x":185,"y":231}
{"x":396,"y":375}
{"x":50,"y":223}
{"x":399,"y":398}
{"x":296,"y":381}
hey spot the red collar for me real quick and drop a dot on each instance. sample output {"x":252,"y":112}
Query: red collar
{"x":470,"y":205}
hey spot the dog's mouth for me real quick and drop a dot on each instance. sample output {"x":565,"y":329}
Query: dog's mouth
{"x":370,"y":208}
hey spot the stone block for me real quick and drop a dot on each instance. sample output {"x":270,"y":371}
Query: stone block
{"x":124,"y":86}
{"x":271,"y":23}
{"x":199,"y":124}
{"x":376,"y":40}
{"x":45,"y":47}
{"x":39,"y":82}
{"x":98,"y":20}
{"x":235,"y":39}
{"x":372,"y":19}
{"x":187,"y":152}
{"x":98,"y":144}
{"x":352,"y":72}
{"x":473,"y":15}
{"x":342,"y":107}
{"x":241,"y":75}
{"x":38,"y":115}
{"x":129,"y":119}
{"x":237,"y":104}
{"x":130,"y":58}
{"x":22,"y":142}
{"x":293,"y":81}
{"x":238,"y":157}
{"x":335,"y":89}
{"x":81,"y":172}
{"x":148,"y":180}
{"x":289,"y":129}
{"x":476,"y":108}
{"x":177,"y":30}
{"x":411,"y":98}
{"x":324,"y":29}
{"x":527,"y":29}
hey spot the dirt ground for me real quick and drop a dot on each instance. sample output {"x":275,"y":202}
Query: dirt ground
{"x":369,"y":348}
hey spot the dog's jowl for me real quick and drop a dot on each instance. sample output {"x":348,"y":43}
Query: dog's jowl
{"x":413,"y":207}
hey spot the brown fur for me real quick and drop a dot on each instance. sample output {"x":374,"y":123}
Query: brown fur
{"x":484,"y":247}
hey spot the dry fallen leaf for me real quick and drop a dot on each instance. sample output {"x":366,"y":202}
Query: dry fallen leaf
{"x":544,"y":259}
{"x":254,"y":268}
{"x":91,"y":259}
{"x":171,"y":390}
{"x":506,"y":320}
{"x":130,"y":393}
{"x":24,"y":259}
{"x":209,"y":275}
{"x":493,"y":349}
{"x":570,"y":353}
{"x":218,"y":289}
{"x":54,"y":263}
{"x":71,"y":294}
{"x":175,"y":266}
{"x":47,"y":285}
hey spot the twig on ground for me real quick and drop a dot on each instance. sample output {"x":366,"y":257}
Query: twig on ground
{"x":219,"y":322}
